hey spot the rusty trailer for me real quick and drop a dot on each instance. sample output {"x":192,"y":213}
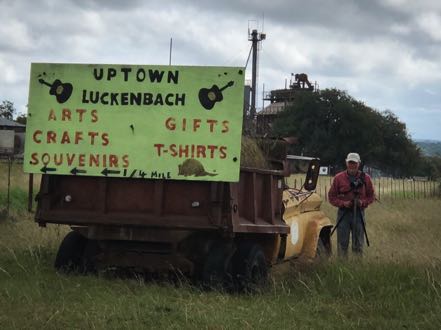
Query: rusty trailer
{"x":216,"y":231}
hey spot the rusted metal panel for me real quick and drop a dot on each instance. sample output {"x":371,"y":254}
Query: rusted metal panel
{"x":216,"y":202}
{"x":251,"y":205}
{"x":159,"y":197}
{"x":124,"y":219}
{"x":261,"y":228}
{"x":131,"y":233}
{"x":133,"y":197}
{"x":83,"y":191}
{"x":152,"y":262}
{"x":187,"y":198}
{"x":271,"y":214}
{"x":246,"y":196}
{"x":258,"y":195}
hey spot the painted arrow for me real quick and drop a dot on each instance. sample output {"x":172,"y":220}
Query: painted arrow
{"x":106,"y":172}
{"x":75,"y":171}
{"x":46,"y":169}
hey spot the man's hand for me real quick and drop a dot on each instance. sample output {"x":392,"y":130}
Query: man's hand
{"x":347,"y":204}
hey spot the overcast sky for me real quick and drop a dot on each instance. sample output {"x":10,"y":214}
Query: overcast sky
{"x":386,"y":53}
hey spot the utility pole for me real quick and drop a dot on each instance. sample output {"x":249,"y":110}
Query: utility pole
{"x":170,"y":53}
{"x":255,"y":37}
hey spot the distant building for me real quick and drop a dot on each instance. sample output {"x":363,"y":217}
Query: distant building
{"x":267,"y":116}
{"x":12,"y":137}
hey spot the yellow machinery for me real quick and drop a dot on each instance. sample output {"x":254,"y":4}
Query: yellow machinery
{"x":309,"y":227}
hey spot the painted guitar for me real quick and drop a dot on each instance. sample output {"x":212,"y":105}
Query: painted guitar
{"x":209,"y":96}
{"x":62,"y":91}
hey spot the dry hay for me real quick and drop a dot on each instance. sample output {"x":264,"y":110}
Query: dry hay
{"x":251,"y":155}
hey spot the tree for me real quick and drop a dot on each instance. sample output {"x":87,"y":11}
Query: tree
{"x":400,"y":156}
{"x":430,"y":166}
{"x":22,"y":119}
{"x":330,"y":123}
{"x":7,"y":110}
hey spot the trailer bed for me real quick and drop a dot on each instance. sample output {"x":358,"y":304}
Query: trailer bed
{"x":251,"y":205}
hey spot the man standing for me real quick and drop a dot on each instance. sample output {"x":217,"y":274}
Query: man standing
{"x":351,"y":191}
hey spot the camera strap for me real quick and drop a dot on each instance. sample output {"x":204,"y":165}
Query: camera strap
{"x":352,"y":179}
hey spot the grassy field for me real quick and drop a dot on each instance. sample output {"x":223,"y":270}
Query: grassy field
{"x":396,"y":285}
{"x":385,"y":188}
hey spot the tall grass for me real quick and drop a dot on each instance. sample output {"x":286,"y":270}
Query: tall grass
{"x":396,"y":285}
{"x":18,"y":188}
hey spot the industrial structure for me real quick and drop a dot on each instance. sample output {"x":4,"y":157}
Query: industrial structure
{"x":281,"y":98}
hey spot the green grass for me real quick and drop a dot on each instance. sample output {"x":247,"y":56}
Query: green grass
{"x":396,"y":285}
{"x":18,"y":189}
{"x":333,"y":295}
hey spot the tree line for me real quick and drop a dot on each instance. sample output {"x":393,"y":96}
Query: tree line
{"x":8,"y":111}
{"x":330,"y":123}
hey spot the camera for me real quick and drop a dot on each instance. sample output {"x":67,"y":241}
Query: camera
{"x":357,"y":183}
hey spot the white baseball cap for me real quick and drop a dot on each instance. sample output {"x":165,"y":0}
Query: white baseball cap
{"x":353,"y":157}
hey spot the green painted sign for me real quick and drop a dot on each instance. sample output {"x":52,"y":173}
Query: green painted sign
{"x":135,"y":121}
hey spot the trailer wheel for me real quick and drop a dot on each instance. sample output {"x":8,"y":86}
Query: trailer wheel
{"x":250,"y":267}
{"x":91,"y":250}
{"x":217,"y":268}
{"x":323,"y":251}
{"x":70,"y":253}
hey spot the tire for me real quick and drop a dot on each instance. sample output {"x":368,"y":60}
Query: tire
{"x":322,"y":252}
{"x":70,"y":256}
{"x":91,"y":250}
{"x":216,"y":271}
{"x":250,"y":267}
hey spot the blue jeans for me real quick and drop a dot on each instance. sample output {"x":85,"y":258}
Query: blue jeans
{"x":348,"y":226}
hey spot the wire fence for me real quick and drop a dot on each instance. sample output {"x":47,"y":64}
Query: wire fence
{"x":385,"y":188}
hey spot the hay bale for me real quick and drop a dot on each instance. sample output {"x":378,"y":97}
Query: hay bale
{"x":251,"y":154}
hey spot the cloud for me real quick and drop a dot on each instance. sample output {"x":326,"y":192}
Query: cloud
{"x":384,"y":52}
{"x":14,"y":36}
{"x":430,"y":23}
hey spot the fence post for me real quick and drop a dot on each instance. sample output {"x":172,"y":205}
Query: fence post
{"x":379,"y":189}
{"x":419,"y":190}
{"x":392,"y":187}
{"x":413,"y":183}
{"x":394,"y":193}
{"x":381,"y":179}
{"x":404,"y":192}
{"x":390,"y":191}
{"x":30,"y":191}
{"x":9,"y":185}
